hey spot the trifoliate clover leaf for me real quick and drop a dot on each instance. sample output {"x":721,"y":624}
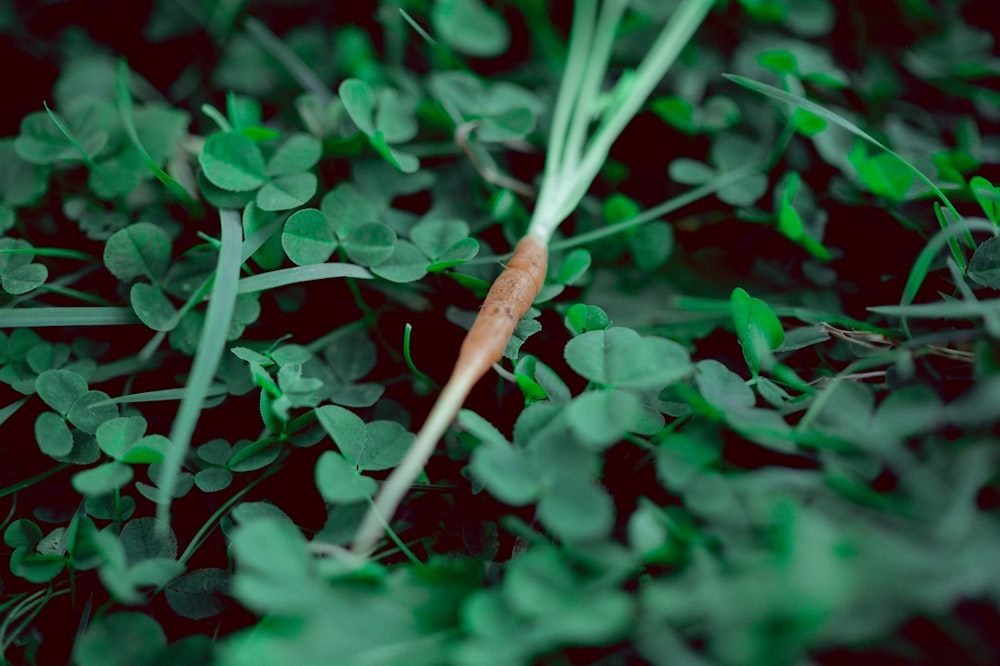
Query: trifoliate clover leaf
{"x":621,"y":357}
{"x":233,"y":162}
{"x":141,"y":249}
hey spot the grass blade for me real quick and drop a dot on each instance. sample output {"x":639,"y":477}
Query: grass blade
{"x":160,"y":396}
{"x":68,"y":316}
{"x":837,"y":119}
{"x":87,"y":159}
{"x":922,"y":266}
{"x":10,"y":409}
{"x":299,"y":70}
{"x":942,"y":309}
{"x":221,"y":306}
{"x":124,"y":99}
{"x":286,"y":276}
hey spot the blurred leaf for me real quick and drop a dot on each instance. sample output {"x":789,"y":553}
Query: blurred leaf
{"x":339,"y":482}
{"x":620,"y":357}
{"x":470,"y":27}
{"x":120,"y":639}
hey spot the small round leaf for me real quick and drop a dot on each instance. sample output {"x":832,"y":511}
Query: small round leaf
{"x":232,"y":161}
{"x":139,"y":249}
{"x":308,"y":237}
{"x":102,"y":479}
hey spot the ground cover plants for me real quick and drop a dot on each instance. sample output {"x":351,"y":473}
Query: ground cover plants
{"x":746,"y":406}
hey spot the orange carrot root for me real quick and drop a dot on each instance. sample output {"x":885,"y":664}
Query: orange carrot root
{"x":507,"y":301}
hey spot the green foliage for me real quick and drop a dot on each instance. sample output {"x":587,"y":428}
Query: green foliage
{"x":759,"y":429}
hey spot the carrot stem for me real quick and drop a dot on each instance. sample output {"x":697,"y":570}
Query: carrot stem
{"x":507,"y":301}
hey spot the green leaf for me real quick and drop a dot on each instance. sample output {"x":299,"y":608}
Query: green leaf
{"x":153,"y":307}
{"x":651,"y":245}
{"x":984,"y":267}
{"x":507,"y":472}
{"x":573,"y":266}
{"x":369,"y":244}
{"x":233,"y":162}
{"x":359,"y":102}
{"x":444,"y":241}
{"x":286,"y":192}
{"x":347,"y":208}
{"x":690,"y":172}
{"x":576,"y":510}
{"x":373,"y":446}
{"x":41,"y":141}
{"x":308,"y":238}
{"x":339,"y":482}
{"x":882,"y":174}
{"x":120,"y":639}
{"x":581,"y":318}
{"x":91,"y":410}
{"x":198,"y":594}
{"x":480,"y":427}
{"x":23,"y":279}
{"x":601,"y":418}
{"x":139,"y":249}
{"x":620,"y":357}
{"x":53,"y":435}
{"x":406,"y":264}
{"x":21,"y":183}
{"x":146,"y":538}
{"x":125,"y":440}
{"x":470,"y":27}
{"x":299,"y":152}
{"x":213,"y":480}
{"x":60,"y":389}
{"x":758,"y":329}
{"x":109,"y":507}
{"x":987,"y":196}
{"x":395,"y":120}
{"x":22,"y":533}
{"x":102,"y":479}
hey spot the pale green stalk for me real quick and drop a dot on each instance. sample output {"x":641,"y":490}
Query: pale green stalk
{"x":580,"y":37}
{"x":211,"y":345}
{"x":563,"y":187}
{"x":595,"y":72}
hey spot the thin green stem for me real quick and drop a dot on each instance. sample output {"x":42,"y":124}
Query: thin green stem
{"x":27,"y":483}
{"x":199,"y":538}
{"x":580,"y":37}
{"x":211,"y":344}
{"x":658,"y":211}
{"x":299,"y":70}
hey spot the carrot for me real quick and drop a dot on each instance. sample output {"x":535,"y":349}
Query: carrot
{"x":507,"y":301}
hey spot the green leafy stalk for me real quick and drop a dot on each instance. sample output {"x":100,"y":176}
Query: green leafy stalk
{"x":570,"y":170}
{"x":221,"y":305}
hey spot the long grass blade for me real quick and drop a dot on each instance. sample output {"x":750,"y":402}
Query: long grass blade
{"x":67,"y":316}
{"x":286,"y":276}
{"x":124,"y":99}
{"x":161,"y":395}
{"x":211,"y":345}
{"x":300,"y":71}
{"x":837,"y":119}
{"x":922,"y":266}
